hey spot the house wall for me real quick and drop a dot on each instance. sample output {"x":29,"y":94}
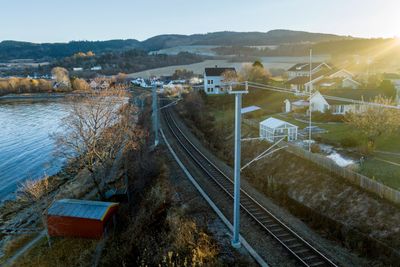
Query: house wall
{"x":79,"y":227}
{"x":347,"y":108}
{"x":318,"y":103}
{"x":311,"y":86}
{"x":74,"y":227}
{"x":293,"y":74}
{"x":288,"y":106}
{"x":349,"y":84}
{"x":212,"y":85}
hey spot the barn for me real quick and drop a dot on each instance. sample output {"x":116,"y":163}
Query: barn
{"x":80,"y":218}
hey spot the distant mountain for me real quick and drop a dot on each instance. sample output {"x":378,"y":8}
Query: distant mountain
{"x":226,"y":38}
{"x":25,"y":50}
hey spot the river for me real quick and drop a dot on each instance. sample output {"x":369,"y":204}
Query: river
{"x":26,"y":149}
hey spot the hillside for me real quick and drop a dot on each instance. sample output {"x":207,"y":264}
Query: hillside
{"x":10,"y":50}
{"x":274,"y":37}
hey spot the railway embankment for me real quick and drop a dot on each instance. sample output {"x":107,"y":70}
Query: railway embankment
{"x":342,"y":212}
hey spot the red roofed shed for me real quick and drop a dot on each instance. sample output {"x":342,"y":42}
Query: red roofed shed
{"x":79,"y":218}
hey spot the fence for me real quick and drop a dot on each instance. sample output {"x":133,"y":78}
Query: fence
{"x":360,"y":180}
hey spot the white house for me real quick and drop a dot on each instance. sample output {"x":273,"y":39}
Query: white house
{"x":323,"y":77}
{"x":77,"y":69}
{"x":318,"y":102}
{"x":336,"y":107}
{"x":273,"y":129}
{"x":213,"y":80}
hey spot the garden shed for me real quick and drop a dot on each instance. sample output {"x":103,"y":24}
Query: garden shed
{"x":80,"y":218}
{"x":273,"y":129}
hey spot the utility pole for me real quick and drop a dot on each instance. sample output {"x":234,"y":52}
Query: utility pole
{"x":236,"y":202}
{"x":155,"y":114}
{"x":310,"y":105}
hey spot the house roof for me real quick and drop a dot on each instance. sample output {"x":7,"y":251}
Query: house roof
{"x":352,"y":81}
{"x":249,"y":109}
{"x":217,"y":71}
{"x":336,"y":71}
{"x":86,"y":209}
{"x":299,"y":80}
{"x":274,"y":123}
{"x":306,"y":66}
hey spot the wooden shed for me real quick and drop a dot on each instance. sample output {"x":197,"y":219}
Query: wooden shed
{"x":80,"y":218}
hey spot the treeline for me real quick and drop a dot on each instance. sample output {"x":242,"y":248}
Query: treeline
{"x":335,"y":48}
{"x":16,"y":85}
{"x":130,"y":61}
{"x":47,"y":51}
{"x":61,"y":82}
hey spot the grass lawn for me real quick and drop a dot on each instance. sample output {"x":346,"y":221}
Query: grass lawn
{"x":223,"y":109}
{"x":383,"y":172}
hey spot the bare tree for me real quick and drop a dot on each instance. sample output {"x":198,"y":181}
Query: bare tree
{"x":61,"y":76}
{"x":36,"y":192}
{"x":375,"y":121}
{"x":99,"y":127}
{"x":254,"y":73}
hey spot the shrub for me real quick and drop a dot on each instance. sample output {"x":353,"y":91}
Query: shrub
{"x":349,"y":141}
{"x":315,"y":148}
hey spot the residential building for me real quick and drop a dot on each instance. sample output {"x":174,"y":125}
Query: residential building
{"x":213,"y":80}
{"x":323,"y":76}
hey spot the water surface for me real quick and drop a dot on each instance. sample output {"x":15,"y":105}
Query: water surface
{"x":26,"y":149}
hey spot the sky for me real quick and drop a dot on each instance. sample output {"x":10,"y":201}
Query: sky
{"x":62,"y":21}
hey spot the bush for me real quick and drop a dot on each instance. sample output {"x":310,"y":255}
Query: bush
{"x":349,"y":141}
{"x":315,"y":148}
{"x":326,"y":117}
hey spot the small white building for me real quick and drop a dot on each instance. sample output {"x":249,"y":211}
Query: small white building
{"x":273,"y":129}
{"x":95,"y":68}
{"x":213,"y":80}
{"x":77,"y":69}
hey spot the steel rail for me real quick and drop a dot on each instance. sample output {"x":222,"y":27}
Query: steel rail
{"x":302,"y":250}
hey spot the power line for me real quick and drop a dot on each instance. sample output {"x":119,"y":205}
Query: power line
{"x":347,"y":100}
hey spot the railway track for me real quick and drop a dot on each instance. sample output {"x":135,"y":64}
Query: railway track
{"x":304,"y":252}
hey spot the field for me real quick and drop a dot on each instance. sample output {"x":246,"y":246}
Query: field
{"x":198,"y":68}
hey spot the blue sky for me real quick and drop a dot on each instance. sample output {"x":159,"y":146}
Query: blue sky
{"x":60,"y":21}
